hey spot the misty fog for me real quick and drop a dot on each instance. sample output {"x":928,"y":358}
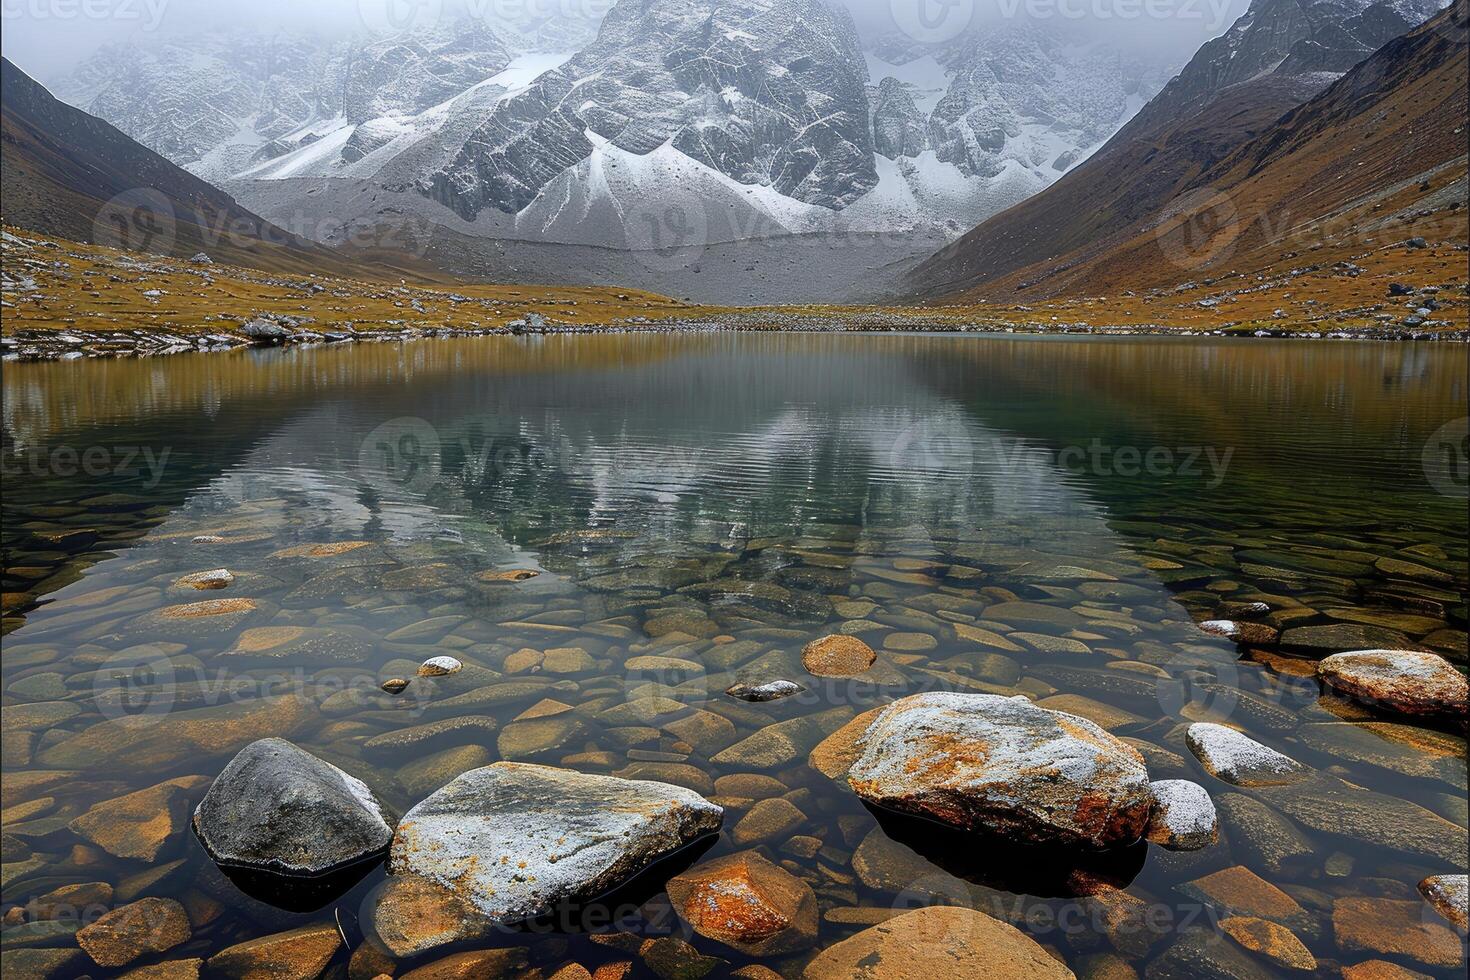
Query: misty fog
{"x":47,"y":38}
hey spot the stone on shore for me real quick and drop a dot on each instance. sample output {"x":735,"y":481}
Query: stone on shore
{"x":1404,"y":682}
{"x":747,"y":903}
{"x":1005,"y":765}
{"x":1238,"y":759}
{"x":280,"y":809}
{"x":837,"y":655}
{"x":939,"y":942}
{"x":1183,"y":817}
{"x":515,"y":840}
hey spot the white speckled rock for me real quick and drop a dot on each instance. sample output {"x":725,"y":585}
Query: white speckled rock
{"x":515,"y":840}
{"x":280,"y":809}
{"x":1238,"y":759}
{"x":439,"y":667}
{"x":1450,"y":896}
{"x":1183,"y":817}
{"x":1006,"y":766}
{"x":1405,"y":682}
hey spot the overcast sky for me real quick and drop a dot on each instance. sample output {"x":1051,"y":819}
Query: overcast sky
{"x":47,"y":37}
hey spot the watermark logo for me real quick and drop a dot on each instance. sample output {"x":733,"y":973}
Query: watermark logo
{"x":146,"y":15}
{"x":390,"y":18}
{"x":135,"y":683}
{"x":1446,"y":459}
{"x":401,"y":454}
{"x":933,"y":445}
{"x":932,"y":21}
{"x":670,"y":235}
{"x":1199,"y":229}
{"x":137,"y":220}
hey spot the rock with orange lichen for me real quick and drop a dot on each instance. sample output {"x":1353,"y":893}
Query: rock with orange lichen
{"x":329,"y":550}
{"x":192,"y":620}
{"x":934,"y":943}
{"x":747,"y":903}
{"x":837,"y":656}
{"x":1266,"y":938}
{"x":1404,"y":682}
{"x":1006,"y":766}
{"x":517,"y":841}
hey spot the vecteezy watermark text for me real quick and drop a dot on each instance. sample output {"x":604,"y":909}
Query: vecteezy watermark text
{"x":148,"y":14}
{"x":95,"y":461}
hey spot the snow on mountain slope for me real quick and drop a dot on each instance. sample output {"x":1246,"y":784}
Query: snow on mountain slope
{"x":749,"y":118}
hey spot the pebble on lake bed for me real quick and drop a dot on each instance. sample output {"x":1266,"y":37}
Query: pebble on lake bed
{"x":440,"y":667}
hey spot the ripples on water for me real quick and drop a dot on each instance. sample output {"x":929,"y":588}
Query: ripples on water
{"x":894,"y":486}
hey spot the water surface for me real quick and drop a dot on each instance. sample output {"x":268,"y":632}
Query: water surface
{"x":909,"y":489}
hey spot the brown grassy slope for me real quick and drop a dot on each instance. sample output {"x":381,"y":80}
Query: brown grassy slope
{"x":62,"y":166}
{"x":92,"y":287}
{"x":1339,"y":175}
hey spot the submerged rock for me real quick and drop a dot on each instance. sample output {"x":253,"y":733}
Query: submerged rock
{"x":1239,"y":760}
{"x":980,"y":761}
{"x":299,"y":954}
{"x":149,"y":925}
{"x":279,"y":809}
{"x":931,"y":943}
{"x":515,"y":840}
{"x":747,"y":903}
{"x":837,"y":655}
{"x":1403,"y":681}
{"x":1183,"y":817}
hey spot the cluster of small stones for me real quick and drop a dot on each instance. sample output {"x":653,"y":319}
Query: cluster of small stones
{"x":615,"y":660}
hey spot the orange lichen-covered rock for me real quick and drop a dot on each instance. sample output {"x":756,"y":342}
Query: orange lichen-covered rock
{"x":1405,"y":682}
{"x":747,"y":903}
{"x":1006,"y":766}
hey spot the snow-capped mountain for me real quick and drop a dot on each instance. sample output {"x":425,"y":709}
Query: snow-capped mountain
{"x":766,"y":117}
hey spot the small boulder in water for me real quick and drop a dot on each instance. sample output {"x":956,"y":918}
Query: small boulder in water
{"x":1238,"y":759}
{"x":394,"y":685}
{"x":440,"y":667}
{"x":279,"y":809}
{"x":1405,"y":682}
{"x":1183,"y":818}
{"x":1005,"y":765}
{"x":1450,"y":896}
{"x":769,"y":691}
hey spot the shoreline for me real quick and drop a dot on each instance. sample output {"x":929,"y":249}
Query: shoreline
{"x":46,"y":346}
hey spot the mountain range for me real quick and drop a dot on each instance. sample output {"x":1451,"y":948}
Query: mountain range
{"x":721,"y":150}
{"x":669,"y":124}
{"x":1238,"y":116}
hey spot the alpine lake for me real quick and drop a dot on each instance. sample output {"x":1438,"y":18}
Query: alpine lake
{"x":608,"y":532}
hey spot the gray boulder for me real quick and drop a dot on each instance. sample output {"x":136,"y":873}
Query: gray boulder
{"x":516,"y":840}
{"x":277,"y":808}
